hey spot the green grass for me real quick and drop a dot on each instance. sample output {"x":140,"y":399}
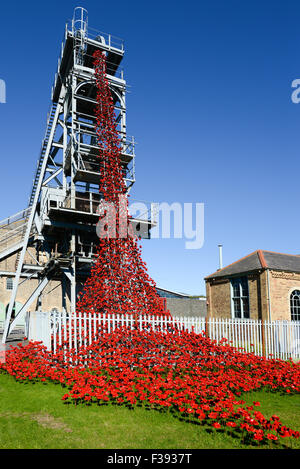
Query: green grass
{"x":33,"y":416}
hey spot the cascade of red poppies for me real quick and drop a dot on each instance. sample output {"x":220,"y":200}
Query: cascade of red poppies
{"x":196,"y":378}
{"x":119,"y":282}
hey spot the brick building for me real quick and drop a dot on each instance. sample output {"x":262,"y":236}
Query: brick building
{"x":52,"y":296}
{"x":262,"y":285}
{"x":180,"y":304}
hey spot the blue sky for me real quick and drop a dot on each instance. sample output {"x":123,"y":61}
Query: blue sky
{"x":209,"y":104}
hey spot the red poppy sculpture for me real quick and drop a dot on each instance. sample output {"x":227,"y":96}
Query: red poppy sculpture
{"x":119,"y":282}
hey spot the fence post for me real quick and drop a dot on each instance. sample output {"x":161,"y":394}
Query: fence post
{"x":206,"y":327}
{"x":263,"y":338}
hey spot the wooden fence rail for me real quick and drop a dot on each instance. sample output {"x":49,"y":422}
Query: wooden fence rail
{"x":277,"y":339}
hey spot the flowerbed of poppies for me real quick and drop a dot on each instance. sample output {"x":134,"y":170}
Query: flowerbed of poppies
{"x":182,"y":372}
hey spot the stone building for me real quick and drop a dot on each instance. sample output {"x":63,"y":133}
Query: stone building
{"x":263,"y":285}
{"x":52,"y":296}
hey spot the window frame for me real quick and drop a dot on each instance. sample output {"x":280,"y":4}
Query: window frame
{"x":294,"y":306}
{"x":240,"y":281}
{"x":9,"y":280}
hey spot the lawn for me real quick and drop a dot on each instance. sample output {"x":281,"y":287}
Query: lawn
{"x":33,"y":416}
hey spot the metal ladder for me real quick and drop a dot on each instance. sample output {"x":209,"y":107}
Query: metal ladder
{"x":50,"y":119}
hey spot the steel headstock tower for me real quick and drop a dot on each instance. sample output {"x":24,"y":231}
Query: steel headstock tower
{"x":58,"y":229}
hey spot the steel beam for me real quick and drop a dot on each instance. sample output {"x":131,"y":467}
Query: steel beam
{"x":7,"y":326}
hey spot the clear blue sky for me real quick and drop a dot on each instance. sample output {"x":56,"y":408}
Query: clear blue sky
{"x":210,"y":106}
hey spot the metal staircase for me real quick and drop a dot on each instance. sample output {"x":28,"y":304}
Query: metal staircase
{"x":50,"y":120}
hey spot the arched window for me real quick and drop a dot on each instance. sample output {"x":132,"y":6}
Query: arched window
{"x":13,"y":313}
{"x":295,"y":305}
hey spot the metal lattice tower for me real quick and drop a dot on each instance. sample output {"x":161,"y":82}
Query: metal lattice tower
{"x":60,"y":221}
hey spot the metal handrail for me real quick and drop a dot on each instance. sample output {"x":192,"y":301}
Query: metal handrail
{"x":15,"y":217}
{"x":111,"y":40}
{"x":50,"y":115}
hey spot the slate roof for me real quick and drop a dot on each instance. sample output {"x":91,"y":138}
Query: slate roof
{"x":170,"y":293}
{"x":259,"y":260}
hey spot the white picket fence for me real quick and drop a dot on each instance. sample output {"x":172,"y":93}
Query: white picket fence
{"x":276,"y":339}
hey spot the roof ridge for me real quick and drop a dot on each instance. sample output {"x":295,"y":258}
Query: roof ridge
{"x":262,"y":259}
{"x":282,"y":253}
